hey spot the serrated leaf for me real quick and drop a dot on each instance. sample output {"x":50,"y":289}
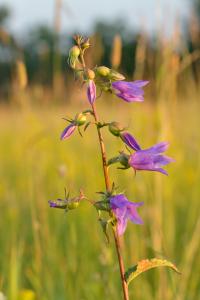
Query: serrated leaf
{"x":145,"y":265}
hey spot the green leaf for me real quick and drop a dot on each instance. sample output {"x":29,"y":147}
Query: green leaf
{"x":145,"y":265}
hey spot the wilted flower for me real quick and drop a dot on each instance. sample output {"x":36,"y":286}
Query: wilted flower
{"x":151,"y":158}
{"x":91,"y":91}
{"x":130,"y":91}
{"x":67,"y":132}
{"x":124,"y":210}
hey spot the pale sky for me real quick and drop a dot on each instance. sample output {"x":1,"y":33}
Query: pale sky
{"x":81,"y":14}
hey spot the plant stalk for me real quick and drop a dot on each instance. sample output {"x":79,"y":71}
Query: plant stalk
{"x":108,"y":188}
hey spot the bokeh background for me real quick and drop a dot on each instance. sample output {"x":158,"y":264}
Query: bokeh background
{"x":47,"y":254}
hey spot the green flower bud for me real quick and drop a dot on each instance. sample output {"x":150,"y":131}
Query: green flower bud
{"x":114,"y":76}
{"x":80,"y":119}
{"x":72,"y":204}
{"x":103,"y":71}
{"x":115,"y":128}
{"x":74,"y":53}
{"x":85,"y":44}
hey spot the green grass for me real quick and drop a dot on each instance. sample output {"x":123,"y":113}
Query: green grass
{"x":65,"y":256}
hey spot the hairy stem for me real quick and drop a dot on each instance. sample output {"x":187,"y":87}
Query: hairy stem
{"x":108,"y":188}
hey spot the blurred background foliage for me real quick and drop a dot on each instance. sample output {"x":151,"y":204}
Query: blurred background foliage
{"x":48,"y":255}
{"x":42,"y":52}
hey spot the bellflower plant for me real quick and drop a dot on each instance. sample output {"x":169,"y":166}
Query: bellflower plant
{"x":114,"y":209}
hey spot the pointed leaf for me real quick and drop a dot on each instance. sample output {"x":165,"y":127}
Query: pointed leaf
{"x":87,"y":125}
{"x":145,"y":265}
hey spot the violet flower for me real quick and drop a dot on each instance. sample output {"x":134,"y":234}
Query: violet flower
{"x":151,"y":159}
{"x":124,"y":210}
{"x":68,"y":131}
{"x":91,"y":91}
{"x":130,"y":91}
{"x":130,"y":141}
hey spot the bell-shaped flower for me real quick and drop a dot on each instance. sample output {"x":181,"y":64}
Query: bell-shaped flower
{"x":151,"y":159}
{"x":130,"y":91}
{"x":124,"y":210}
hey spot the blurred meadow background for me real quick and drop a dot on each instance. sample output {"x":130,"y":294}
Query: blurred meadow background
{"x":46,"y":254}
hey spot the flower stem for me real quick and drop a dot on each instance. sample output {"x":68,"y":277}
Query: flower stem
{"x":108,"y":188}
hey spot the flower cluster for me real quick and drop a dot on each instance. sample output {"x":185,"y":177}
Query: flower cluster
{"x":104,"y":79}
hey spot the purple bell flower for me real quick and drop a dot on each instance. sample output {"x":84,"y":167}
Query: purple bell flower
{"x":124,"y":210}
{"x":151,"y":159}
{"x":91,"y":91}
{"x":130,"y":91}
{"x":68,"y":131}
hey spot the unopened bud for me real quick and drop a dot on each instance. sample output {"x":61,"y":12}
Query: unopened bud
{"x":90,"y":74}
{"x":115,"y":128}
{"x":74,"y":53}
{"x":73,"y":204}
{"x":85,"y":44}
{"x":80,"y":119}
{"x":103,"y":71}
{"x":115,"y":76}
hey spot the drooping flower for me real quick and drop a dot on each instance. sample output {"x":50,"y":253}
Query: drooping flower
{"x":68,"y":131}
{"x":124,"y":210}
{"x":151,"y":159}
{"x":130,"y":91}
{"x":130,"y":141}
{"x":91,"y":91}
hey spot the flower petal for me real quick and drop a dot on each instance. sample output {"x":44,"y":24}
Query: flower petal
{"x":124,"y":210}
{"x":130,"y":98}
{"x":158,"y":148}
{"x":67,"y":131}
{"x":130,"y":141}
{"x":133,"y":214}
{"x":91,"y":91}
{"x":129,"y":91}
